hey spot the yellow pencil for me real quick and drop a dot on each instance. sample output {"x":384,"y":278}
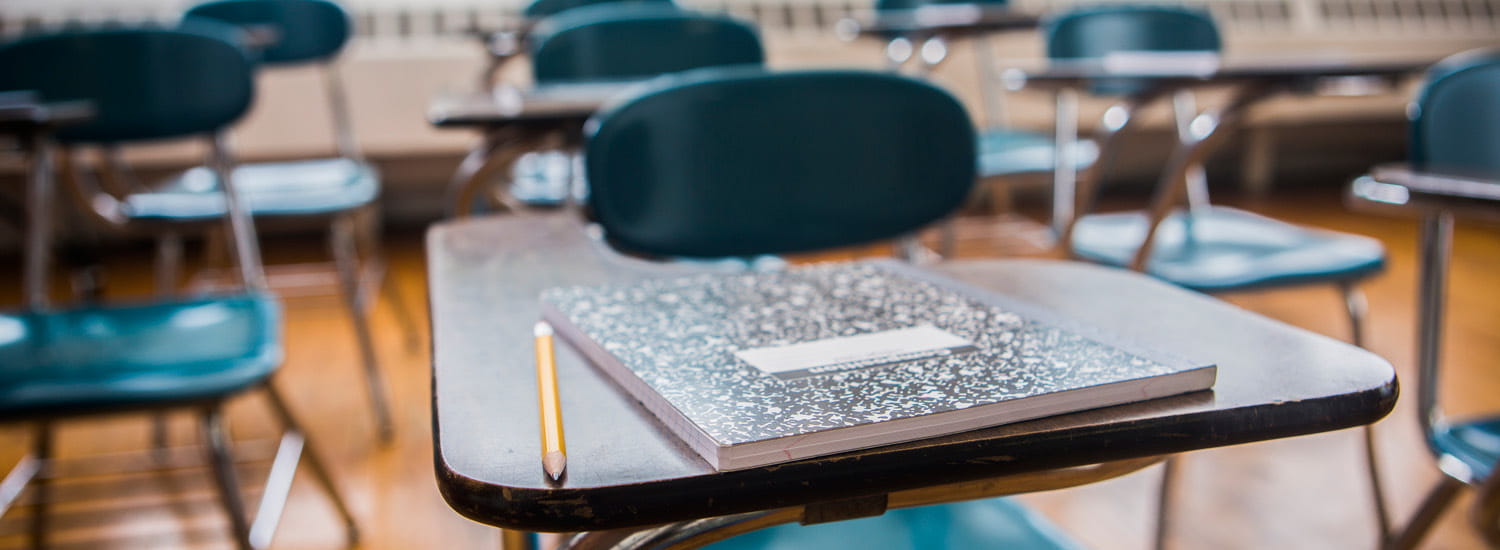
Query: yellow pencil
{"x":554,"y":451}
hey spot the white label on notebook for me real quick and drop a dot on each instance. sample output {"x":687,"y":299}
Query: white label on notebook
{"x":855,"y":352}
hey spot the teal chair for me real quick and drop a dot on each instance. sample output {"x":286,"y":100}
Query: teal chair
{"x":632,"y":41}
{"x":1004,"y":152}
{"x":1207,"y":248}
{"x":59,"y":364}
{"x":343,"y":190}
{"x":539,"y":9}
{"x":1091,"y":33}
{"x":1455,"y":132}
{"x":739,"y":162}
{"x":611,"y":44}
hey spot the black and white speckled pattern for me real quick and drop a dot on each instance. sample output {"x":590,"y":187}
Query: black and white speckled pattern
{"x":679,"y":335}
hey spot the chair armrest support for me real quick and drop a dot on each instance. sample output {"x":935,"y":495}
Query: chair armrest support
{"x":1398,"y":186}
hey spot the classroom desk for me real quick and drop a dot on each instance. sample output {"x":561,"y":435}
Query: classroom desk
{"x":1251,"y":80}
{"x":512,"y":122}
{"x":625,"y":472}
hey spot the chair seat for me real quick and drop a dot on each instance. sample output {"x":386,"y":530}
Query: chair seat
{"x":1229,"y":249}
{"x":991,"y":523}
{"x":300,"y":188}
{"x":1474,"y":443}
{"x":106,"y":358}
{"x":1004,"y":152}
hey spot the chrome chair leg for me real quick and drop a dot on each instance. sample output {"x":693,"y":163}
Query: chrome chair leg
{"x":1377,"y":490}
{"x":1427,"y":514}
{"x":342,"y":245}
{"x":222,"y":462}
{"x":369,"y":239}
{"x":168,"y":269}
{"x":1164,"y":503}
{"x":1484,"y":515}
{"x":517,"y":540}
{"x":159,"y":437}
{"x":314,"y":462}
{"x":41,"y":494}
{"x":168,"y":263}
{"x":1357,"y":306}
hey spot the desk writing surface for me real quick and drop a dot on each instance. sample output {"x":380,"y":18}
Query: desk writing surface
{"x":1071,"y":72}
{"x":556,"y":104}
{"x":624,"y":470}
{"x":939,"y":19}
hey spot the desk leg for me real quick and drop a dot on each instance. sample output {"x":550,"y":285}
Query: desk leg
{"x":1205,"y":133}
{"x":38,"y":222}
{"x":516,"y":540}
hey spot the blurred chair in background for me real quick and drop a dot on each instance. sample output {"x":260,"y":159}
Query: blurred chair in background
{"x":539,"y":9}
{"x":1454,"y":170}
{"x":505,"y":45}
{"x":630,"y":41}
{"x":1004,"y":151}
{"x":738,"y":162}
{"x":612,"y":45}
{"x":343,"y":190}
{"x":1206,"y":248}
{"x":59,"y":364}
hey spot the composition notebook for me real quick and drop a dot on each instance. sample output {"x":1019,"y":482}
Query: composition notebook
{"x":766,"y":367}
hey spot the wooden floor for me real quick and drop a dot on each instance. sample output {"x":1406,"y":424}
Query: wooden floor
{"x":1298,"y":493}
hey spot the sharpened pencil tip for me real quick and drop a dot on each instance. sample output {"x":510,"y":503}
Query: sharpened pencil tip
{"x":542,"y":329}
{"x":555,"y":463}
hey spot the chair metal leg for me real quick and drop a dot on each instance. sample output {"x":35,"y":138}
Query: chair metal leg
{"x":1377,"y":490}
{"x":15,"y":481}
{"x":1484,"y":515}
{"x":341,"y":244}
{"x":1357,"y":307}
{"x":314,"y":462}
{"x":168,"y":269}
{"x":1164,"y":503}
{"x":947,"y":238}
{"x":221,"y":460}
{"x":168,"y":262}
{"x":374,"y":250}
{"x":41,"y":486}
{"x":1427,"y":514}
{"x":517,"y":540}
{"x":159,"y":437}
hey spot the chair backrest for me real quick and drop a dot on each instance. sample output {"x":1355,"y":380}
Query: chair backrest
{"x":548,"y":8}
{"x":1455,"y":125}
{"x":1098,"y":31}
{"x":739,"y":162}
{"x":304,"y":30}
{"x":629,"y":41}
{"x":144,"y":83}
{"x":884,"y":5}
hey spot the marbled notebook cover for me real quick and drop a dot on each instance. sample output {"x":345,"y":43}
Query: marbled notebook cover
{"x":671,"y":343}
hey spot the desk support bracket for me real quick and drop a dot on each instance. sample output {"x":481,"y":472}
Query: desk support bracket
{"x":840,"y":510}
